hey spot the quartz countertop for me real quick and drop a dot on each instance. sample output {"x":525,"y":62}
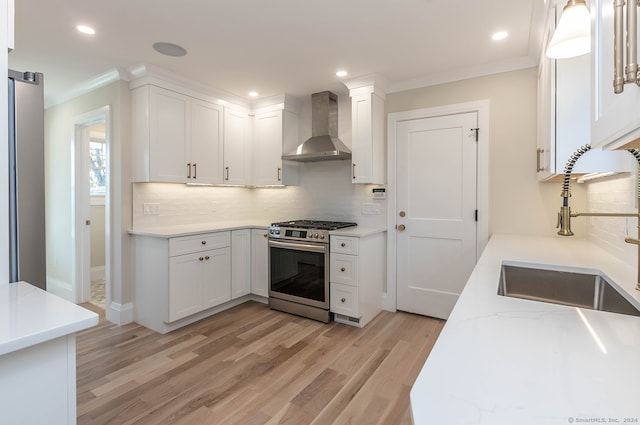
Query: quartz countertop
{"x":502,"y":360}
{"x":30,"y":316}
{"x":194,"y":229}
{"x":357,"y":231}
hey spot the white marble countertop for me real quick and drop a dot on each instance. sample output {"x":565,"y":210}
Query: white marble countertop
{"x":30,"y":316}
{"x":360,"y":232}
{"x":502,"y":360}
{"x":194,"y":229}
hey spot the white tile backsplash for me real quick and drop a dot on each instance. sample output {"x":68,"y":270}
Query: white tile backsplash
{"x":616,"y":194}
{"x":325,"y":193}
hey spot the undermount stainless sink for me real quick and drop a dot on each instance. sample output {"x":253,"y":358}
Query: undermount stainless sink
{"x":572,"y":288}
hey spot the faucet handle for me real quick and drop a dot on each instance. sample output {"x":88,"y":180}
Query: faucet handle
{"x":559,"y":221}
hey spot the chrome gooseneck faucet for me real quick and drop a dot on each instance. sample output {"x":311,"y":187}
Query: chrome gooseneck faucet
{"x":565,"y":214}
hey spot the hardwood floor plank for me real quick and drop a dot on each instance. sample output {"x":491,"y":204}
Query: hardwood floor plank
{"x":252,"y":365}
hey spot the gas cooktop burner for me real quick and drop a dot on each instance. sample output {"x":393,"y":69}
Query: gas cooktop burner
{"x":315,"y":224}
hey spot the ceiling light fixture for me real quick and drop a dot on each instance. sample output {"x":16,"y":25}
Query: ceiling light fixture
{"x":86,"y":29}
{"x":572,"y":36}
{"x":169,"y":49}
{"x":253,"y":94}
{"x":341,"y":73}
{"x":500,"y":35}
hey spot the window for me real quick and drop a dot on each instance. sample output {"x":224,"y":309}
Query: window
{"x":97,"y":167}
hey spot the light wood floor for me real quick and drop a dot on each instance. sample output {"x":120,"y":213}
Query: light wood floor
{"x":251,"y":365}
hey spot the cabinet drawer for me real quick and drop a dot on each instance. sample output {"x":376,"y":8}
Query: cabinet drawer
{"x":344,"y":269}
{"x":344,"y":245}
{"x":202,"y":242}
{"x":344,"y":300}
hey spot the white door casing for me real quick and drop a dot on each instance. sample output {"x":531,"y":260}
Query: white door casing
{"x":438,"y":175}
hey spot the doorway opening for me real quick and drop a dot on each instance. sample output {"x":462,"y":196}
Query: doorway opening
{"x":91,"y":209}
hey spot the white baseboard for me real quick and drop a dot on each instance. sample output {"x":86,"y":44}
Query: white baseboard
{"x":97,"y":273}
{"x":120,"y":314}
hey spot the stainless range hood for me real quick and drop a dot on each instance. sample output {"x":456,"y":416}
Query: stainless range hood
{"x":324,"y":144}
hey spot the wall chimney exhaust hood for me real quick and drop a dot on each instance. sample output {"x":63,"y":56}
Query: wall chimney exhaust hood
{"x":324,"y":144}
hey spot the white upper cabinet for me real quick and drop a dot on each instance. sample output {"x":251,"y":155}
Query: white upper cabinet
{"x":564,"y":105}
{"x":273,"y":132}
{"x":237,"y":152}
{"x":206,"y":142}
{"x":179,"y":138}
{"x":176,"y":138}
{"x":615,"y":119}
{"x":11,"y":12}
{"x":368,"y":141}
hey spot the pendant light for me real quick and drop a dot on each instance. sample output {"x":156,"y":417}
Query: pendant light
{"x":573,"y":33}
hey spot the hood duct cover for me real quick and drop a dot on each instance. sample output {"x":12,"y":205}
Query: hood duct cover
{"x":324,"y":144}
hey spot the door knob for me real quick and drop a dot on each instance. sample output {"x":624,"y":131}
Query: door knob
{"x":401,"y":227}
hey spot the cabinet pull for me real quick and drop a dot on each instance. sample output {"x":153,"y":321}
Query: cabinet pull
{"x":189,"y":175}
{"x":279,"y":174}
{"x":226,"y":169}
{"x":343,"y":269}
{"x":195,"y":171}
{"x":354,"y":170}
{"x":539,"y":166}
{"x":200,"y":258}
{"x":343,"y":244}
{"x":265,"y":235}
{"x":203,"y":242}
{"x":206,"y":257}
{"x":344,"y":300}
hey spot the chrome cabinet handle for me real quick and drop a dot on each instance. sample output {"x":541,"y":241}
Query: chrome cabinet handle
{"x":189,"y":175}
{"x":354,"y":170}
{"x":226,"y":169}
{"x":195,"y":171}
{"x":279,"y":174}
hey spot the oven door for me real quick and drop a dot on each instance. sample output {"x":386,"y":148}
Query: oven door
{"x":299,"y":272}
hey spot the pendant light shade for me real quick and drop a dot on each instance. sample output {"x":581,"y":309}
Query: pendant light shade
{"x":573,"y":33}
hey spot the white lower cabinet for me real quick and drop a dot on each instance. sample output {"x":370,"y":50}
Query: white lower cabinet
{"x":356,"y":276}
{"x":240,"y":263}
{"x":260,"y":262}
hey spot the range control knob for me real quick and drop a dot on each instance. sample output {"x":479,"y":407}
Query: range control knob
{"x":321,"y":235}
{"x":315,"y":235}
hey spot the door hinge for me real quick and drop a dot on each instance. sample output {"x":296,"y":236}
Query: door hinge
{"x":476,"y":215}
{"x":477,"y":130}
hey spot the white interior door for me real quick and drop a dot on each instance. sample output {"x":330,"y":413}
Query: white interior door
{"x":436,"y":211}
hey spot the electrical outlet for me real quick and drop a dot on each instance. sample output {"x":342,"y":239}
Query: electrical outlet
{"x":151,"y":208}
{"x":370,"y":209}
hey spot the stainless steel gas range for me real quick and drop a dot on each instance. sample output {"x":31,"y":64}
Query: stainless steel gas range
{"x":299,"y":267}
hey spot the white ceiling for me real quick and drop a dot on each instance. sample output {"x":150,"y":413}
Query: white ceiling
{"x":277,"y":46}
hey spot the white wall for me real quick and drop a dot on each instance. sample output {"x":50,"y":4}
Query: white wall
{"x":59,"y":195}
{"x":518,"y":203}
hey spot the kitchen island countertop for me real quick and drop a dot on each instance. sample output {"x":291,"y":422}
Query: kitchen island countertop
{"x":502,"y":360}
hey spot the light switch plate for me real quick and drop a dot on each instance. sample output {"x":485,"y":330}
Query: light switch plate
{"x":151,"y":208}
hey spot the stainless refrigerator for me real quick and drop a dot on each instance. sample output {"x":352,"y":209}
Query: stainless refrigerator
{"x":27,"y":258}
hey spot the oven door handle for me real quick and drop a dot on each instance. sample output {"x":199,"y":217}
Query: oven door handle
{"x":298,"y":246}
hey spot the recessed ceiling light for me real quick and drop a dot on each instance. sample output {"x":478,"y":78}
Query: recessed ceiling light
{"x":169,"y":49}
{"x":86,"y":29}
{"x":500,"y":35}
{"x":341,"y":73}
{"x":253,"y":94}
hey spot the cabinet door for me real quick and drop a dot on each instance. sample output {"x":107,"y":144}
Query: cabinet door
{"x":267,"y":149}
{"x":169,"y":135}
{"x":240,"y":263}
{"x":206,"y":142}
{"x":216,"y":288}
{"x":367,"y":160}
{"x":237,"y":159}
{"x":259,"y":262}
{"x":615,"y":117}
{"x":185,"y":285}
